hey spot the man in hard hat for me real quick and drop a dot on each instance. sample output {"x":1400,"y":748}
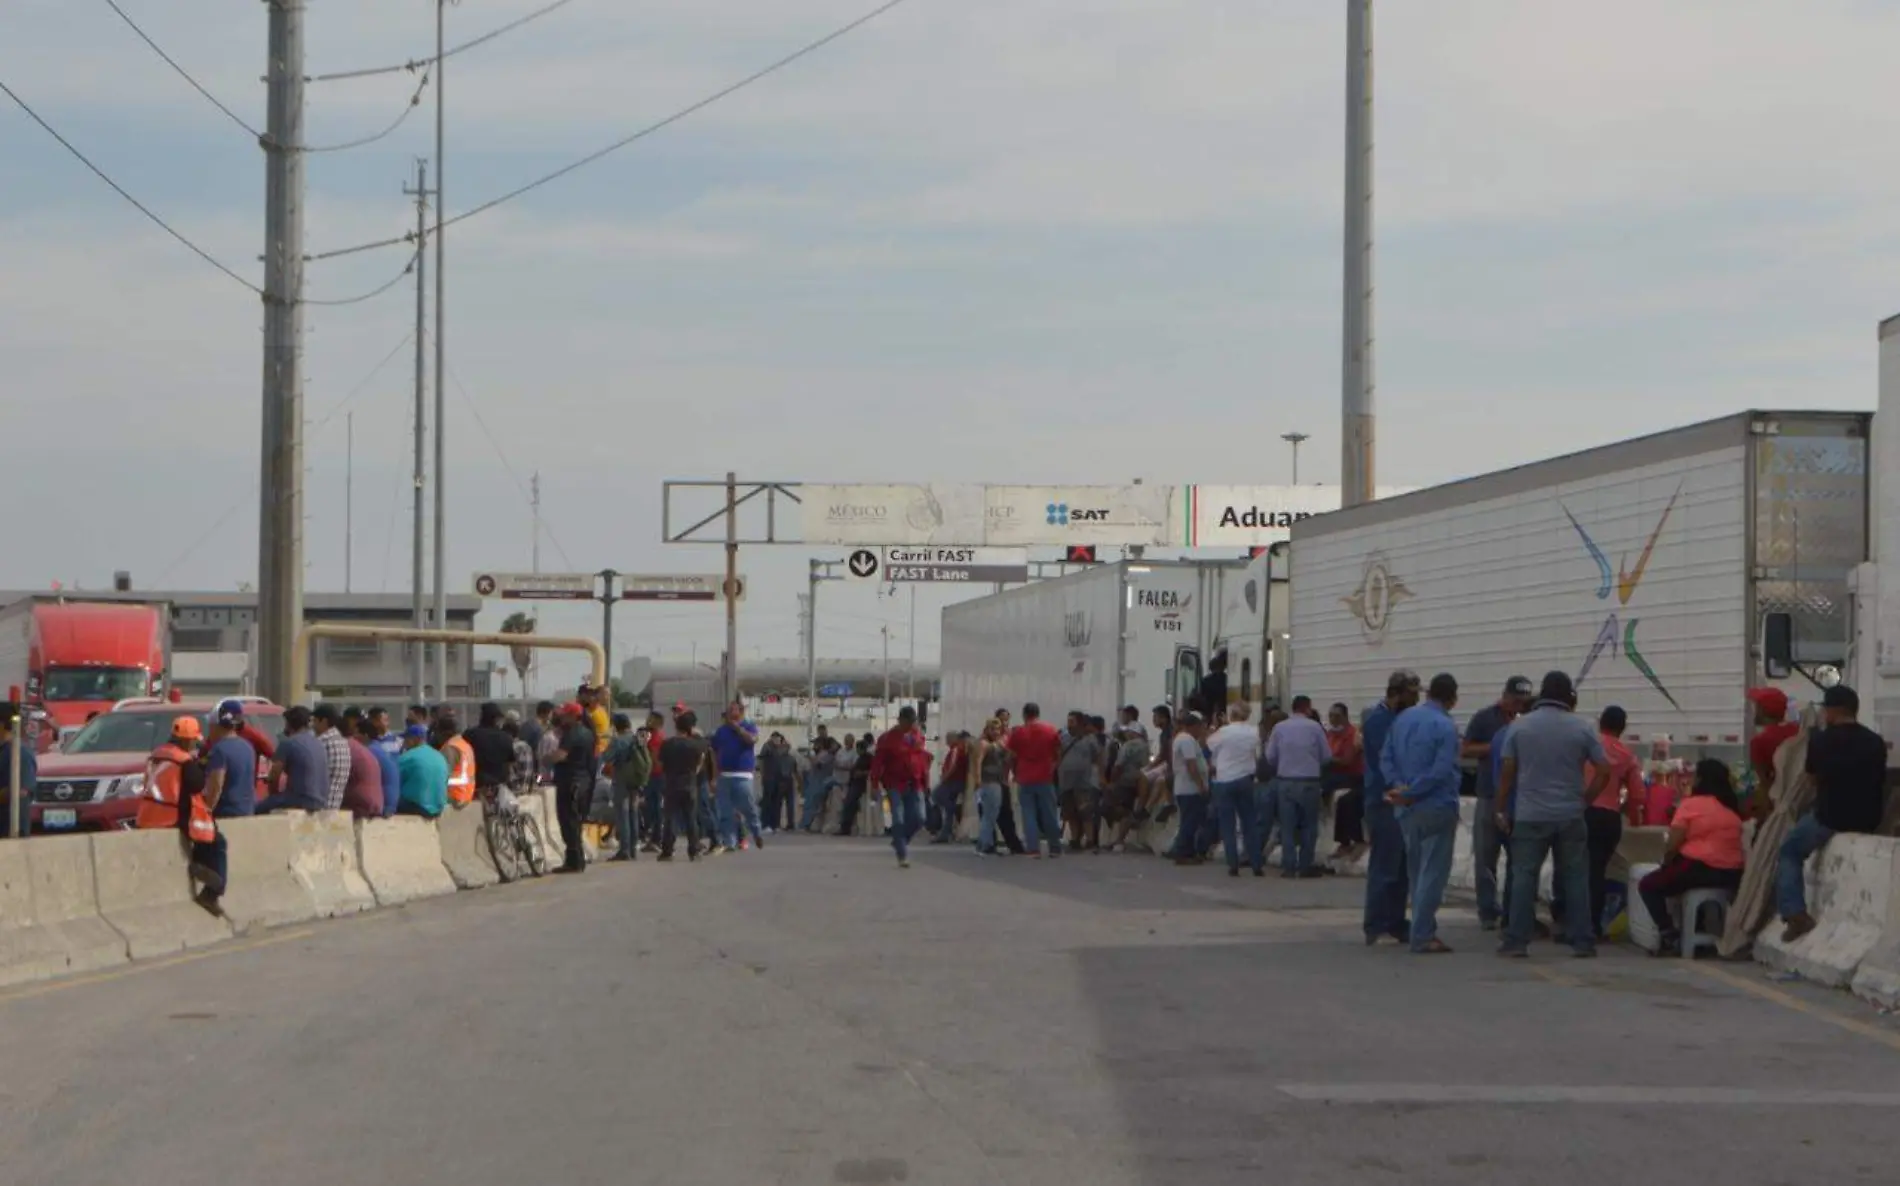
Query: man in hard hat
{"x":174,"y":798}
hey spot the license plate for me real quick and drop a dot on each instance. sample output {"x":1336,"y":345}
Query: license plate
{"x":58,"y":817}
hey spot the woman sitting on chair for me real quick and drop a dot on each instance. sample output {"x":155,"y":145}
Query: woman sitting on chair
{"x":1704,"y":849}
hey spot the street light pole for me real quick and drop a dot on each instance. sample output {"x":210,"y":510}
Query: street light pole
{"x":1295,"y":439}
{"x":1357,"y":383}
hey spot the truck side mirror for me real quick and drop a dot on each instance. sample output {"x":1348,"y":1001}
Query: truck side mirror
{"x":1777,"y":645}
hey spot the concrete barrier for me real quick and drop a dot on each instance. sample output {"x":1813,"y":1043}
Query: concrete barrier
{"x":324,"y":862}
{"x":49,"y":914}
{"x":402,"y":859}
{"x":1877,"y":979}
{"x":463,"y":832}
{"x":145,"y":893}
{"x":1850,"y":893}
{"x":262,"y":889}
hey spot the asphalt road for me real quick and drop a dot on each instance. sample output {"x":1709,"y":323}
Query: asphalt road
{"x":812,"y":1014}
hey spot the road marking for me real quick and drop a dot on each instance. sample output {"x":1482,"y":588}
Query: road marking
{"x":1614,"y":1096}
{"x":1766,"y":992}
{"x":38,"y":990}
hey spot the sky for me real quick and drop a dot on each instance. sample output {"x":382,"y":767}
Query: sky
{"x":1016,"y":241}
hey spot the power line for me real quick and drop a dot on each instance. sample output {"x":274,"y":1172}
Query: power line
{"x":802,"y":52}
{"x":183,"y":73}
{"x":392,"y":282}
{"x":363,"y":384}
{"x":414,"y":64}
{"x":141,"y":207}
{"x":409,"y":108}
{"x":506,"y":465}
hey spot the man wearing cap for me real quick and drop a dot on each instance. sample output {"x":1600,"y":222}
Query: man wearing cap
{"x":1847,"y":764}
{"x":1486,"y":842}
{"x":1386,"y":881}
{"x":574,"y":766}
{"x":423,"y":773}
{"x":324,"y":721}
{"x":735,"y":766}
{"x":598,"y":723}
{"x":386,"y":748}
{"x":1420,"y":760}
{"x":1771,"y":712}
{"x":230,"y":765}
{"x":174,"y":798}
{"x":1540,"y":807}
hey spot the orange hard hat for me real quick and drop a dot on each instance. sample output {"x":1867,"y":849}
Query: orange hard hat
{"x":187,"y":729}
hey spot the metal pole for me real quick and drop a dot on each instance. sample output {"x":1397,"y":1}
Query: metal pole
{"x":910,"y":677}
{"x":886,"y":631}
{"x":417,"y":538}
{"x":607,"y":626}
{"x":17,"y":796}
{"x":280,"y":518}
{"x":349,"y":496}
{"x":441,"y":377}
{"x":534,"y":502}
{"x":732,"y":587}
{"x":1356,"y":396}
{"x":811,"y":654}
{"x":1295,"y":439}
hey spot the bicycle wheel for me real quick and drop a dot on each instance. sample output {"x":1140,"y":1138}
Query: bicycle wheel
{"x":504,"y":846}
{"x":533,"y":849}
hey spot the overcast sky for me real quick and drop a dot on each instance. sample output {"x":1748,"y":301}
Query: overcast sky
{"x":989,"y":240}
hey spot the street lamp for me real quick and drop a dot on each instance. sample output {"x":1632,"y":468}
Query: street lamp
{"x":1294,"y":439}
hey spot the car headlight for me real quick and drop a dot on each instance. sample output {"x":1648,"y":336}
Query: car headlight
{"x":129,"y":787}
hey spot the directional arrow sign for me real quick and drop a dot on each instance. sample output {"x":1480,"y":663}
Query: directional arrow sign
{"x":536,"y":586}
{"x":863,"y":564}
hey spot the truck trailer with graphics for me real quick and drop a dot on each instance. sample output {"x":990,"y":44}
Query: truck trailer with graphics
{"x":1666,"y":574}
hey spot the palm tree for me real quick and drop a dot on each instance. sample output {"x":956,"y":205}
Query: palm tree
{"x":523,"y":657}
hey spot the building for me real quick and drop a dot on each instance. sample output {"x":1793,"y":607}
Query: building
{"x":213,"y":640}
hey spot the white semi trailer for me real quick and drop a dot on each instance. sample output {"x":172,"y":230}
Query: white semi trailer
{"x":1666,"y":574}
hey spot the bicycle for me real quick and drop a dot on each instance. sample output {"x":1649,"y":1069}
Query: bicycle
{"x":514,"y":836}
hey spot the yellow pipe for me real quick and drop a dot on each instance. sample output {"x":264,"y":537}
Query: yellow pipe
{"x":299,"y":658}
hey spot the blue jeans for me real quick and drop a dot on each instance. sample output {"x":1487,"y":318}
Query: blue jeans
{"x":948,"y":798}
{"x":989,"y":801}
{"x":1234,"y":813}
{"x":650,"y":807}
{"x":1299,"y":820}
{"x":1569,"y":843}
{"x":1266,"y":811}
{"x":817,"y":790}
{"x":907,"y":818}
{"x":1486,"y":844}
{"x":623,"y":821}
{"x":1804,"y":840}
{"x":703,"y":808}
{"x":738,"y":810}
{"x":1040,"y":817}
{"x":1429,"y":835}
{"x":1385,"y":869}
{"x":1193,"y":814}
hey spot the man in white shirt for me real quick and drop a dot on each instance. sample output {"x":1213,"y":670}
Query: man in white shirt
{"x":1297,"y":754}
{"x":1235,"y":748}
{"x":1188,"y":769}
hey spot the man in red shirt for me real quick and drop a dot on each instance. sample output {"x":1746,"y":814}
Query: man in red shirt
{"x":900,"y":765}
{"x":1771,"y":711}
{"x":1036,"y":748}
{"x":956,"y":772}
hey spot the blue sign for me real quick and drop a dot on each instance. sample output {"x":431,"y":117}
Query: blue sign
{"x":835,"y":690}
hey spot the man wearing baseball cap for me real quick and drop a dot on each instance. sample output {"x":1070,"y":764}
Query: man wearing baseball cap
{"x":174,"y":798}
{"x":1481,"y":734}
{"x":1847,"y":763}
{"x":1386,"y":880}
{"x":1771,"y":718}
{"x":574,"y":766}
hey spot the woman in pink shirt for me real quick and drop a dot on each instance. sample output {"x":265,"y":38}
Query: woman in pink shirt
{"x":1604,"y":817}
{"x":1704,"y":849}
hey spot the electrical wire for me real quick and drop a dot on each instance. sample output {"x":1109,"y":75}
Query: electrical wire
{"x":506,"y":464}
{"x":363,"y":385}
{"x":414,"y":64}
{"x":409,"y":109}
{"x":395,"y":489}
{"x":756,"y":76}
{"x":392,"y":282}
{"x":141,"y":207}
{"x":183,"y":73}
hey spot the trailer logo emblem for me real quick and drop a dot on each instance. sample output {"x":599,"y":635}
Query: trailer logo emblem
{"x":1378,"y":593}
{"x":1624,"y":580}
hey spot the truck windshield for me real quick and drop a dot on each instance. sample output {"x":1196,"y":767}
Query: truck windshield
{"x":94,"y":683}
{"x":122,"y":732}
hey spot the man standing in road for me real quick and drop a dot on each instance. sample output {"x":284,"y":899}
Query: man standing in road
{"x":1036,"y":749}
{"x":1486,"y":841}
{"x":901,"y":765}
{"x":684,"y":758}
{"x":735,"y":765}
{"x":1847,"y":763}
{"x":1079,"y":778}
{"x":1541,"y":800}
{"x":1298,"y":752}
{"x":574,"y":765}
{"x":1385,"y":867}
{"x":1188,"y":769}
{"x":1776,"y":730}
{"x":1235,"y":750}
{"x":776,"y":777}
{"x":1420,"y":760}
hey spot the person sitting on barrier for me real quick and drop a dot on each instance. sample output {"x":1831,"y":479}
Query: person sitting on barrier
{"x":1125,"y":781}
{"x":363,"y":793}
{"x":386,"y":748}
{"x":1703,"y":851}
{"x":1847,"y":763}
{"x":174,"y":798}
{"x":300,"y":779}
{"x":494,"y":752}
{"x":424,"y":773}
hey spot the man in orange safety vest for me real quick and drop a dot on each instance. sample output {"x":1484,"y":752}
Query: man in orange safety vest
{"x":174,"y":798}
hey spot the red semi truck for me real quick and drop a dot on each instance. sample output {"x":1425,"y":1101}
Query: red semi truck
{"x":73,"y":658}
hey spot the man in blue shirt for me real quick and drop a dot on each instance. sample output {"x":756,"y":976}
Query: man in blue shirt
{"x":1420,"y":762}
{"x":423,"y":774}
{"x":301,"y":780}
{"x":1298,"y":754}
{"x":734,"y":764}
{"x":230,"y":765}
{"x":1541,"y":798}
{"x":1385,"y":866}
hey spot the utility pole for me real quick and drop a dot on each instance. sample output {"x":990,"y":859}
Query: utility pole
{"x":607,"y":599}
{"x":420,"y":477}
{"x":1296,"y":439}
{"x":1356,"y":396}
{"x":910,"y":677}
{"x":280,"y":517}
{"x":441,"y":373}
{"x":886,"y":632}
{"x":821,"y":570}
{"x":732,"y":587}
{"x":349,"y":496}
